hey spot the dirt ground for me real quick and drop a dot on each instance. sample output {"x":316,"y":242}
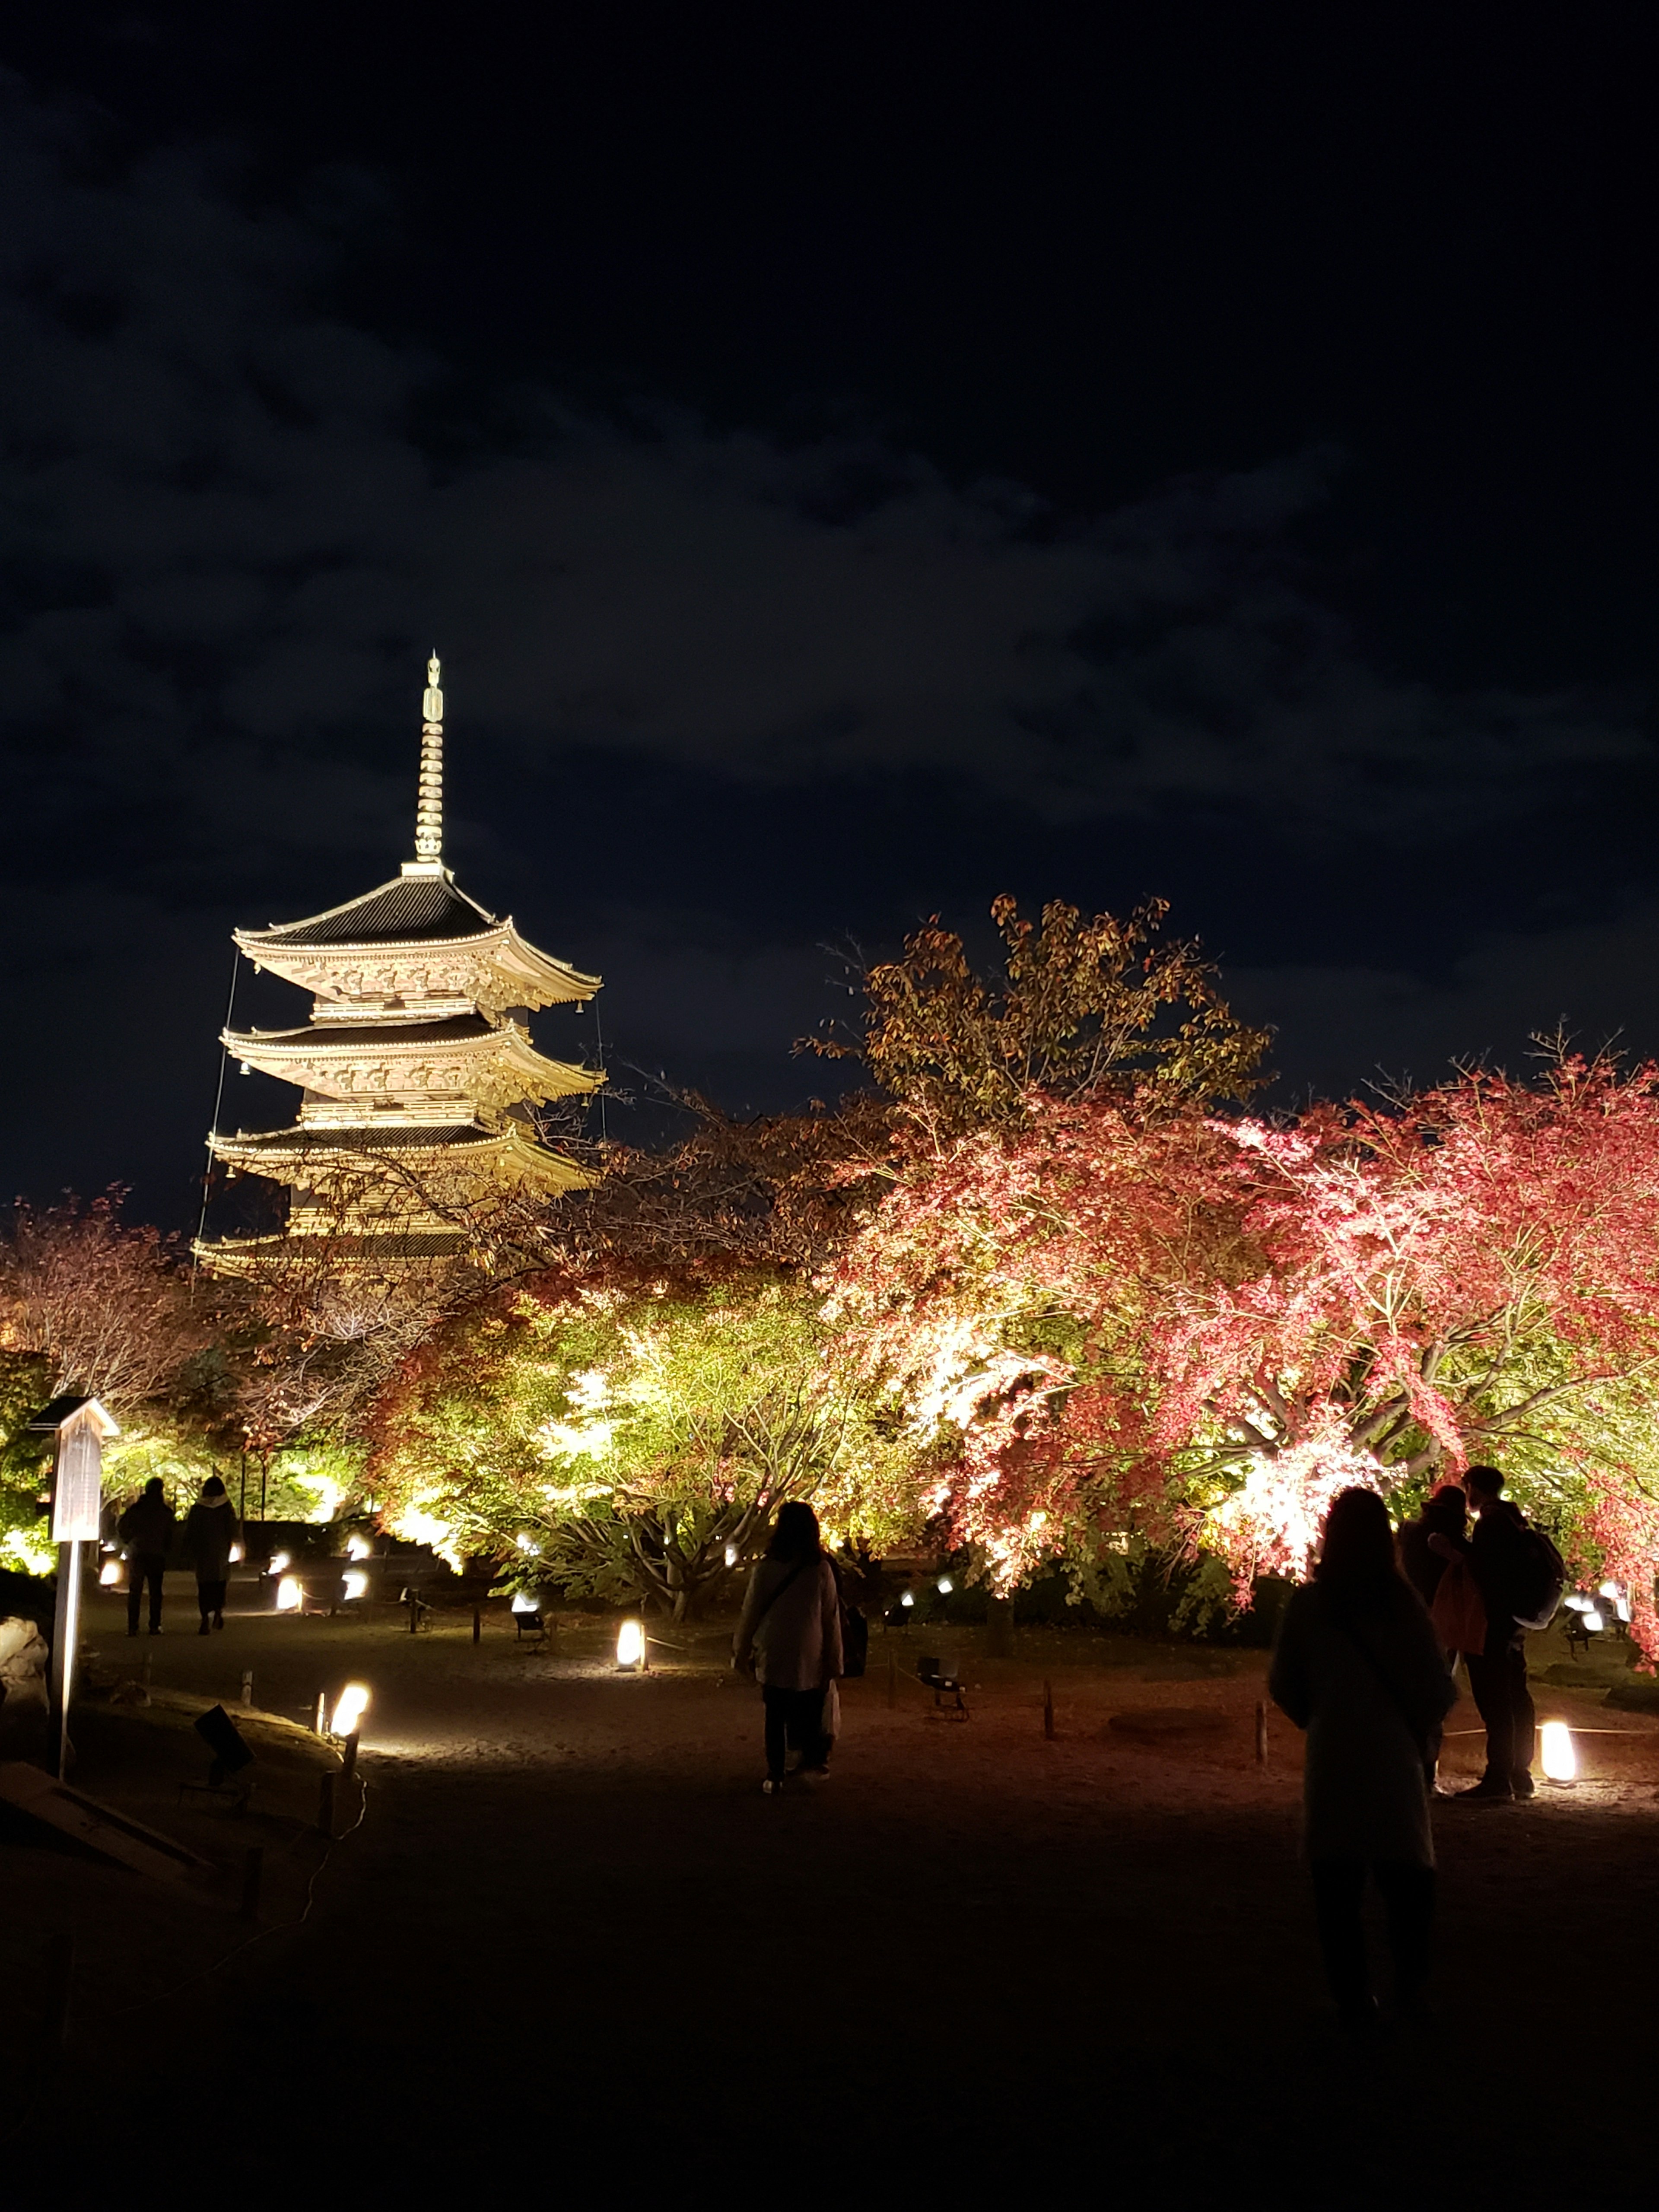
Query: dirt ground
{"x":568,"y":1943}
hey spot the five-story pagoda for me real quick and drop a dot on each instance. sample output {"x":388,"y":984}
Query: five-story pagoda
{"x":418,"y":1079}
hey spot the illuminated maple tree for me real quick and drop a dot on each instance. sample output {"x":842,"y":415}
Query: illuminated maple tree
{"x":1204,"y":1327}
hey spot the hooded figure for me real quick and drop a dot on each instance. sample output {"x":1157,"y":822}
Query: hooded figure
{"x":210,"y":1529}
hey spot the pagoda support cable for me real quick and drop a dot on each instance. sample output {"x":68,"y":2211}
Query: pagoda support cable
{"x":218,"y":1104}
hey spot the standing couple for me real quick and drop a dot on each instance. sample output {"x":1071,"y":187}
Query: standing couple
{"x":1363,"y":1669}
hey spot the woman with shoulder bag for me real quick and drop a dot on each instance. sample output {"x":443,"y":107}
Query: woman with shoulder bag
{"x":1359,"y":1668}
{"x":789,"y":1638}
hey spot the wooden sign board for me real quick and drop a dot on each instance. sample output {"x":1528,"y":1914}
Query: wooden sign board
{"x":78,"y":1494}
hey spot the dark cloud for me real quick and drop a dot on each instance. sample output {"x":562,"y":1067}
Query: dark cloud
{"x":716,"y":692}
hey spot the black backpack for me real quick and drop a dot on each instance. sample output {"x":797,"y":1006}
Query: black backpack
{"x":1540,"y":1576}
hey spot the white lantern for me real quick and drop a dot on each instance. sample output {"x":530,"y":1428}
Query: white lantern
{"x":354,"y":1584}
{"x":630,"y":1646}
{"x":1556,"y":1748}
{"x":349,"y":1708}
{"x":290,"y":1593}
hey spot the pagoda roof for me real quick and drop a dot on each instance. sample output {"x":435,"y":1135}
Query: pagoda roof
{"x":273,"y":1152}
{"x":378,"y":1031}
{"x":423,"y":909}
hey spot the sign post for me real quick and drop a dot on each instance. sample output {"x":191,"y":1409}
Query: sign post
{"x":78,"y":1428}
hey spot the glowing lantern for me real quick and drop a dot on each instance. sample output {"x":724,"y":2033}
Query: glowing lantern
{"x":910,"y":1598}
{"x":358,"y":1548}
{"x":630,"y":1647}
{"x":355,"y":1585}
{"x":731,"y":1555}
{"x":946,"y":1585}
{"x":234,"y":1555}
{"x":1555,"y":1747}
{"x":290,"y":1593}
{"x":278,"y":1561}
{"x":348,"y":1710}
{"x":109,"y":1574}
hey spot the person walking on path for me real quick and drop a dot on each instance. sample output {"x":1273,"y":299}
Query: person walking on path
{"x":1358,"y":1666}
{"x":1498,"y":1553}
{"x":147,"y":1528}
{"x":789,"y":1637}
{"x":210,"y":1531}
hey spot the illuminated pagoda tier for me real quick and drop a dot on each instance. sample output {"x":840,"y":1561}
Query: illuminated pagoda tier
{"x":417,"y":1076}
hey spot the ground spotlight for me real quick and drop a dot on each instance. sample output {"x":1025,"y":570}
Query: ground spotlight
{"x":631,"y":1648}
{"x":290,"y":1593}
{"x":1561,"y":1759}
{"x":349,"y":1708}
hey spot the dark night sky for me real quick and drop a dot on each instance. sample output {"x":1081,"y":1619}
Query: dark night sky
{"x":851,"y":462}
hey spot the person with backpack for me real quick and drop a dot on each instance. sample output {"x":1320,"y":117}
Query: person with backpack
{"x":788,"y":1637}
{"x":1358,"y":1666}
{"x":1520,"y":1575}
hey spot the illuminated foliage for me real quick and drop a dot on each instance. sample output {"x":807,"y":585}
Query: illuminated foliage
{"x":617,"y":1436}
{"x":1096,"y":1010}
{"x":1203,"y":1328}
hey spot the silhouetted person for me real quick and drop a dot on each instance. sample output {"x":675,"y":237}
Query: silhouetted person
{"x":1496,"y":1554}
{"x":789,"y":1635}
{"x":147,"y":1530}
{"x":209,"y":1532}
{"x":1446,"y":1513}
{"x":1359,"y":1668}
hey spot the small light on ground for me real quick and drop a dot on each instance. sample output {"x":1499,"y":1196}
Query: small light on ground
{"x":946,"y":1585}
{"x":358,"y":1548}
{"x":355,"y":1585}
{"x":731,"y":1555}
{"x":110,"y":1573}
{"x":290,"y":1593}
{"x":348,"y":1710}
{"x":1556,"y":1749}
{"x":523,"y":1603}
{"x":234,"y":1555}
{"x":278,"y":1561}
{"x":630,"y":1644}
{"x":910,"y":1598}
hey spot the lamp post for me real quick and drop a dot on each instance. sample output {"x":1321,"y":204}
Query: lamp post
{"x":78,"y":1427}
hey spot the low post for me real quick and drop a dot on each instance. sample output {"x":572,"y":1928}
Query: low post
{"x":247,"y":1686}
{"x":478,"y":1622}
{"x":1048,"y":1711}
{"x":349,"y":1759}
{"x":414,"y":1613}
{"x":325,"y":1803}
{"x":321,"y":1721}
{"x":1261,"y":1735}
{"x":253,"y":1874}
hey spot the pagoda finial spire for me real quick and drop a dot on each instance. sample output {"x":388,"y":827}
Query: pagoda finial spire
{"x":429,"y":809}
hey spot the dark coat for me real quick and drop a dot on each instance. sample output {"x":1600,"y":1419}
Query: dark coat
{"x":147,"y":1525}
{"x":209,"y":1532}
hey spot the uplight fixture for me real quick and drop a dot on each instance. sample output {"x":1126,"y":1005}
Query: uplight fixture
{"x":630,"y":1647}
{"x":290,"y":1593}
{"x":278,"y":1561}
{"x":349,"y":1708}
{"x":358,"y":1548}
{"x":1556,"y":1749}
{"x":110,"y":1573}
{"x":731,"y":1555}
{"x":944,"y":1586}
{"x":354,"y":1585}
{"x":908,"y":1598}
{"x":1593,"y":1621}
{"x":523,"y":1603}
